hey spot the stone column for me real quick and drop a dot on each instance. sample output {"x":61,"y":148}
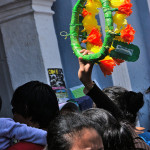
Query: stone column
{"x":29,"y":41}
{"x":148,"y":4}
{"x":43,"y":16}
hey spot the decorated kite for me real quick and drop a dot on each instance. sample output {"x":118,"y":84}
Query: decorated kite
{"x":116,"y":47}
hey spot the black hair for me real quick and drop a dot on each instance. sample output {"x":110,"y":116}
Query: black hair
{"x":0,"y":103}
{"x":37,"y":100}
{"x":62,"y":130}
{"x":115,"y":135}
{"x":69,"y":107}
{"x":114,"y":92}
{"x":128,"y":101}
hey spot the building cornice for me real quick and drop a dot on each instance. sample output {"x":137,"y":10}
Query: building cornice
{"x":6,"y":2}
{"x":10,"y":9}
{"x":43,"y":6}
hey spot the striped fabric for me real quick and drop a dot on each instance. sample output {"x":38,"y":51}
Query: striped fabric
{"x":139,"y":142}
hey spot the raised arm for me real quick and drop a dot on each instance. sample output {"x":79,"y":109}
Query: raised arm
{"x":91,"y":89}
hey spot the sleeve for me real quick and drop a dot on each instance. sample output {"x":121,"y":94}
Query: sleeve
{"x":103,"y":101}
{"x":19,"y":131}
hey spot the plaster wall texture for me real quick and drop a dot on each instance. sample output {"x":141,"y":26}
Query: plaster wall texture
{"x":5,"y":82}
{"x":148,"y":1}
{"x":23,"y":51}
{"x":144,"y":17}
{"x":139,"y":71}
{"x":120,"y":75}
{"x":48,"y":42}
{"x":5,"y":2}
{"x":29,"y":45}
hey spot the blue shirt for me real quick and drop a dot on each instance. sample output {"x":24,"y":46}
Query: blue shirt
{"x":146,"y":137}
{"x":10,"y":129}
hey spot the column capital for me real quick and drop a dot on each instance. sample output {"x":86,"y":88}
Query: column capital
{"x":43,"y":6}
{"x":10,"y":9}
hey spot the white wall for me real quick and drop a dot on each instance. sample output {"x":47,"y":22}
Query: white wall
{"x":43,"y":16}
{"x":30,"y":45}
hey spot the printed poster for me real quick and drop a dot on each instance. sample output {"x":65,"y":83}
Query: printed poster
{"x":57,"y":83}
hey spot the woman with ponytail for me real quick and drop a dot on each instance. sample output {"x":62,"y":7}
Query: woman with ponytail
{"x":129,"y":102}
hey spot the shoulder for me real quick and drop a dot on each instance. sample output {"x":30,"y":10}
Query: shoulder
{"x":6,"y":123}
{"x":6,"y":120}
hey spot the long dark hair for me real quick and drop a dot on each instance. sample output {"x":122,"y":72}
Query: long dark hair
{"x":115,"y":136}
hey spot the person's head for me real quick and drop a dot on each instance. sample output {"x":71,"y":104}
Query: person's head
{"x":0,"y":103}
{"x":68,"y":107}
{"x":129,"y":102}
{"x":35,"y":104}
{"x":115,"y":135}
{"x":74,"y":132}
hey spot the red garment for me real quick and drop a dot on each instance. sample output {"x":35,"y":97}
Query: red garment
{"x":26,"y":146}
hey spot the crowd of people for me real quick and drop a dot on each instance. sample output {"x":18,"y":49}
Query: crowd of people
{"x":39,"y":124}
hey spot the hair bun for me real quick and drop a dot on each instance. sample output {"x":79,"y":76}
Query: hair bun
{"x":134,"y":100}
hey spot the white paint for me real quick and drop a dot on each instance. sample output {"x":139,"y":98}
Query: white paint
{"x":15,"y":10}
{"x":148,"y":1}
{"x":22,"y":50}
{"x":121,"y":77}
{"x":5,"y":84}
{"x":47,"y":36}
{"x":6,"y":2}
{"x":43,"y":6}
{"x":30,"y":44}
{"x":29,"y":40}
{"x":102,"y":21}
